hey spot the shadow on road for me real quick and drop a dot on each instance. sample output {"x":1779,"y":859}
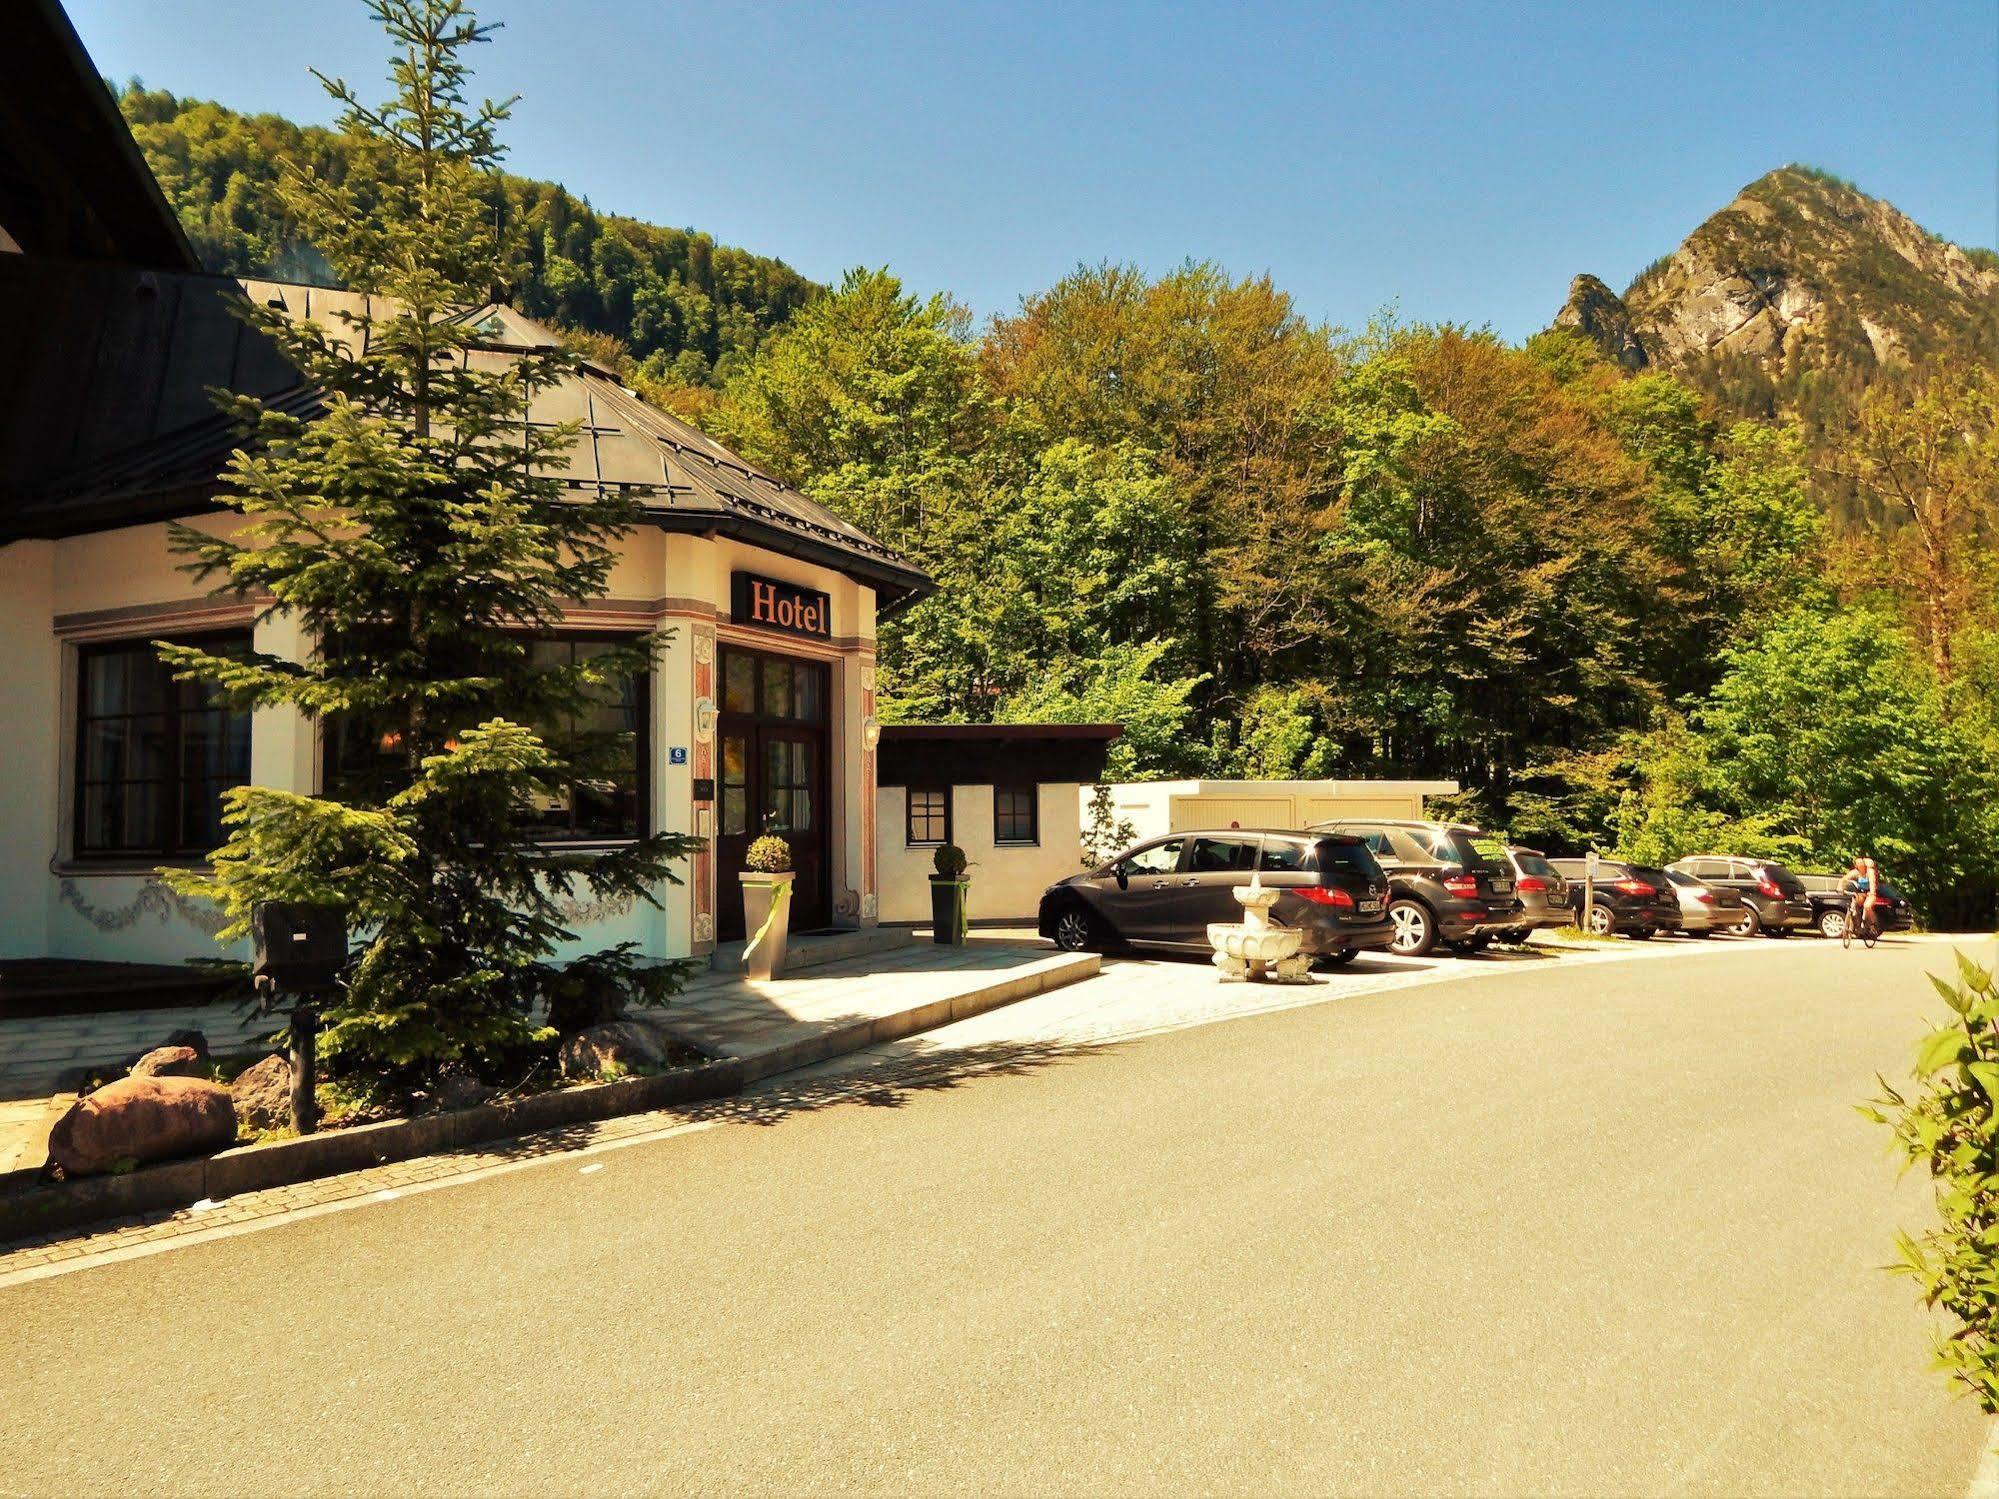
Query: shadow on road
{"x":892,"y":1082}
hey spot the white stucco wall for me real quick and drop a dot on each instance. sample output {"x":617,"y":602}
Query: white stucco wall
{"x":1007,"y":881}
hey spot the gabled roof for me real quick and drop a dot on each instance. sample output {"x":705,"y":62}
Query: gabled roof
{"x":72,"y":181}
{"x":109,"y":408}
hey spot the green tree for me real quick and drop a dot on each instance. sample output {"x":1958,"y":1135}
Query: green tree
{"x":419,"y":531}
{"x":1123,"y":685}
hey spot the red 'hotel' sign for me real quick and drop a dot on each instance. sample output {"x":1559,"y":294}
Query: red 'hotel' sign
{"x":780,"y":606}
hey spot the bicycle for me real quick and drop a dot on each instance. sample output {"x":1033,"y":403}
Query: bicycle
{"x":1861,"y":914}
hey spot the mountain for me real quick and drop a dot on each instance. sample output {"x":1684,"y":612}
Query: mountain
{"x":1795,"y":297}
{"x":683,"y":308}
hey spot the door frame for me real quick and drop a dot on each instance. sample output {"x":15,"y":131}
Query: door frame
{"x":754,"y":726}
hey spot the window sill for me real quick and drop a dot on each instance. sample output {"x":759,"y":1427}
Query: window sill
{"x":1018,"y":843}
{"x":115,"y":866}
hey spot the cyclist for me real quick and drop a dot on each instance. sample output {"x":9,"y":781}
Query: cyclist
{"x":1862,"y":887}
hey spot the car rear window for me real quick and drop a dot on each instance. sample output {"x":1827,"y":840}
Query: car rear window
{"x":1535,"y":864}
{"x":1346,"y":856}
{"x":1285,"y":856}
{"x":1783,"y":879}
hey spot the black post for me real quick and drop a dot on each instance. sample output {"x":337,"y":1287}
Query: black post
{"x":305,"y":1103}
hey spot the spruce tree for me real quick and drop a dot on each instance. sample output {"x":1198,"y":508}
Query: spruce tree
{"x":420,"y":532}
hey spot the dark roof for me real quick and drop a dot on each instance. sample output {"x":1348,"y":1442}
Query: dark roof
{"x":72,"y":181}
{"x":109,"y":412}
{"x":1000,"y":754}
{"x":1010,"y":733}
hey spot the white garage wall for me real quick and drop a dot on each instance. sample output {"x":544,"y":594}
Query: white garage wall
{"x":1156,"y":808}
{"x":1006,"y":881}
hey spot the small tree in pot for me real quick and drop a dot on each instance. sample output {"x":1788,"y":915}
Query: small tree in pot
{"x":948,"y":891}
{"x":767,"y":878}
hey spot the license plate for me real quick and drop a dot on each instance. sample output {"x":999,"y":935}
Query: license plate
{"x":1502,"y":887}
{"x":1370,"y":905}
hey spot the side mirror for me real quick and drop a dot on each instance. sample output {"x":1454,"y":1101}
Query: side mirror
{"x":1123,"y":879}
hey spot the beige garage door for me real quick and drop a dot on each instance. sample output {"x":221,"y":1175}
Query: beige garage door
{"x":1227,"y":811}
{"x":1326,"y":808}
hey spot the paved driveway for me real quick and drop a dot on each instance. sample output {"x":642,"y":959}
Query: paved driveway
{"x":1591,"y":1228}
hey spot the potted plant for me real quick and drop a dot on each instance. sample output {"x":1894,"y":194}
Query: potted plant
{"x":948,"y":890}
{"x":766,"y":877}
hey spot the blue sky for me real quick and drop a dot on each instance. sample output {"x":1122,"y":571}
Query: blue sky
{"x":1456,"y":161}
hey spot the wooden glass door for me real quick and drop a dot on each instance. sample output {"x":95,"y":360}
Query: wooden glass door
{"x":773,"y":768}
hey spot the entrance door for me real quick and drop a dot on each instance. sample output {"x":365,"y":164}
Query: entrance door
{"x":772,"y":733}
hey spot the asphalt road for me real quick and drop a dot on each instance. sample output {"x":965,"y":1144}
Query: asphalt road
{"x":1598,"y":1231}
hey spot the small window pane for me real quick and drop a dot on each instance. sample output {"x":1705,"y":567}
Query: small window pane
{"x":807,"y":705}
{"x":735,"y":759}
{"x":776,"y":701}
{"x":739,"y":683}
{"x":735,"y":809}
{"x":119,"y":749}
{"x":929,"y":817}
{"x":1014,"y":815}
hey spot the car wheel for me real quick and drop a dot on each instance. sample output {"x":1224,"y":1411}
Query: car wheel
{"x":1641,"y":933}
{"x":1601,"y":922}
{"x":1075,"y":930}
{"x":1749,"y":926}
{"x":1338,"y":959}
{"x":1832,"y":925}
{"x":1415,"y":928}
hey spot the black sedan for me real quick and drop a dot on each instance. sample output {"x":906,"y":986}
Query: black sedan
{"x":1163,"y":894}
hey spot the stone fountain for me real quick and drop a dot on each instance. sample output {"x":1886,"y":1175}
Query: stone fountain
{"x":1256,"y":947}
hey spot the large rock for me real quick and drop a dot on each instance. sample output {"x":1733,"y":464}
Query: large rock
{"x":188,"y":1037}
{"x":168,"y":1061}
{"x":621,"y":1044}
{"x":141,"y":1119}
{"x":263,"y":1094}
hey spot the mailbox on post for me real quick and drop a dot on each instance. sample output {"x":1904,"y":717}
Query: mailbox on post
{"x":298,"y":951}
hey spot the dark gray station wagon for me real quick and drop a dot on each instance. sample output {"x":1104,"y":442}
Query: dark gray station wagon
{"x":1164,"y":893}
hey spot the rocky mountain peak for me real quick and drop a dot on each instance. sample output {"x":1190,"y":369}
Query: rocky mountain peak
{"x":1599,"y":314}
{"x":1800,"y":272}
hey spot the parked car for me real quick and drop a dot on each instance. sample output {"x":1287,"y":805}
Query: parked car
{"x":1542,"y":892}
{"x":1164,"y":893}
{"x":1829,"y":904}
{"x":1773,"y":902}
{"x":1704,"y":909}
{"x":1631,"y":900}
{"x":1450,"y":883}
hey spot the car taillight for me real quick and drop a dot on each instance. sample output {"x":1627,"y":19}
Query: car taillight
{"x":1769,"y":888}
{"x":1324,"y":895}
{"x":1464,"y":886}
{"x":1705,"y":897}
{"x":1533,"y":884}
{"x":1633,"y":887}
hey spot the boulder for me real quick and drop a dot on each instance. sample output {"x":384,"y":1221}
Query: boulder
{"x":263,"y":1094}
{"x":461,"y":1091}
{"x":623,"y":1044}
{"x":191,"y":1038}
{"x":142,"y":1119}
{"x":168,"y":1061}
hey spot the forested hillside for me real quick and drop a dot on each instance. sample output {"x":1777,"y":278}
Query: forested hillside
{"x":682,"y":309}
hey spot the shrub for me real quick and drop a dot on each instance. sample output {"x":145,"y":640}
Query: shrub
{"x":1948,"y":1125}
{"x":951,"y":862}
{"x":770,"y":854}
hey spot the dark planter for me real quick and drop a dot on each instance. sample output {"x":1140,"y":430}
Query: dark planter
{"x":947,"y":909}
